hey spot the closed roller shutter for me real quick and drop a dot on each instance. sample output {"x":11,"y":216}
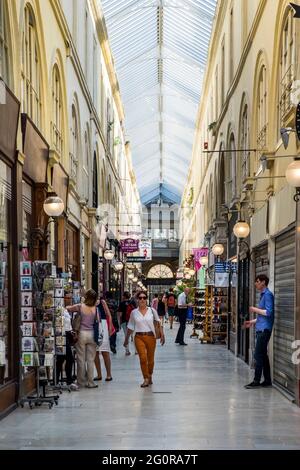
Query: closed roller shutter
{"x":284,"y":332}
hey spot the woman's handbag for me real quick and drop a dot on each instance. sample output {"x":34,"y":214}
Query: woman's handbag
{"x":96,"y":329}
{"x":157,"y":326}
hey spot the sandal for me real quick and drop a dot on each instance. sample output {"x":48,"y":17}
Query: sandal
{"x":108,"y":379}
{"x":145,"y":384}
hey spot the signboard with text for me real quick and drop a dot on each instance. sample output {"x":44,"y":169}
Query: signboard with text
{"x":129,"y":245}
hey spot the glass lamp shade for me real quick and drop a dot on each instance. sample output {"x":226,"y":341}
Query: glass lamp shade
{"x":241,"y":229}
{"x":54,"y":206}
{"x":130,"y":276}
{"x":218,"y":249}
{"x":119,"y":266}
{"x":204,"y":260}
{"x":108,"y":254}
{"x":292,"y":174}
{"x":135,"y":279}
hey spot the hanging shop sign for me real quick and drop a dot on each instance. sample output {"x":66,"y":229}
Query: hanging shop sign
{"x":135,"y":259}
{"x":146,"y":248}
{"x":198,"y":253}
{"x":129,"y":245}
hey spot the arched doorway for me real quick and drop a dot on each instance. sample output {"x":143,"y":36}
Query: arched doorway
{"x":159,"y":279}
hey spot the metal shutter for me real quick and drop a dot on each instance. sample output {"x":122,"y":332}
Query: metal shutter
{"x":284,"y":333}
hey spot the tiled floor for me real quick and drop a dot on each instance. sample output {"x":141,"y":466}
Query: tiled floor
{"x":197,"y":401}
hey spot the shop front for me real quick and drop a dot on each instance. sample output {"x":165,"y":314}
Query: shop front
{"x":9,"y":337}
{"x":232,"y":291}
{"x":243,"y":306}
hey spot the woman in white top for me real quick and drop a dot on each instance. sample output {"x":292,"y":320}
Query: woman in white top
{"x":142,"y":323}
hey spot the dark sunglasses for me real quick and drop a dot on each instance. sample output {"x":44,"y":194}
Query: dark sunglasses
{"x":142,"y":298}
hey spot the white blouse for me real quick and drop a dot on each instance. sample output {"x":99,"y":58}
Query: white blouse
{"x":140,"y":323}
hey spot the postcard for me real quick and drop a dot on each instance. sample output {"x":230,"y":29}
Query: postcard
{"x":59,"y":293}
{"x":47,"y":329}
{"x":60,"y":350}
{"x":48,"y":300}
{"x":26,"y":299}
{"x":2,"y":268}
{"x":27,"y":359}
{"x":27,"y":329}
{"x":36,"y":359}
{"x":60,"y":341}
{"x":26,"y":283}
{"x":27,"y":344}
{"x":49,"y":359}
{"x":58,"y":283}
{"x":25,"y":268}
{"x":48,"y":284}
{"x":59,"y":302}
{"x":49,"y":345}
{"x":26,"y":313}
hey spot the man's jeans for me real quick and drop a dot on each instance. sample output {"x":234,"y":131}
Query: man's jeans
{"x":261,"y":356}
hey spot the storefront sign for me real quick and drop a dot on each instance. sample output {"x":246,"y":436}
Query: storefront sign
{"x":129,"y":245}
{"x":135,"y":259}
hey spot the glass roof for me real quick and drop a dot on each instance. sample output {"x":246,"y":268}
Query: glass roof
{"x":160,"y":50}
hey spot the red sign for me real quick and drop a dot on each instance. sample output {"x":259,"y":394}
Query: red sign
{"x":129,"y":245}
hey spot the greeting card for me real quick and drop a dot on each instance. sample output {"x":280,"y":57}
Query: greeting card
{"x":27,"y":359}
{"x":26,"y":283}
{"x":58,"y":283}
{"x":59,"y":293}
{"x":26,"y":313}
{"x":28,"y":344}
{"x":25,"y":268}
{"x":26,"y":299}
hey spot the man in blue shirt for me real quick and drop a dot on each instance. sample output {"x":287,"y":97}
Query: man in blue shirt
{"x":263,"y":326}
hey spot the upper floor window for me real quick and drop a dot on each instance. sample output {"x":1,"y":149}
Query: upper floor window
{"x":4,"y":53}
{"x":95,"y":182}
{"x":245,"y":170}
{"x":74,"y":146}
{"x":262,"y":124}
{"x":31,"y":69}
{"x":286,"y":67}
{"x":86,"y":159}
{"x":57,"y":112}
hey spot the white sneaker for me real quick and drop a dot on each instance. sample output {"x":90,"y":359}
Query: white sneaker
{"x":74,"y":387}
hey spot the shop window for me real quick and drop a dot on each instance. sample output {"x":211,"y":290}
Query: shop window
{"x":5,"y":238}
{"x":74,"y":147}
{"x":57,"y":115}
{"x":4,"y":50}
{"x":31,"y":69}
{"x":245,"y":144}
{"x":286,"y":67}
{"x":73,"y":252}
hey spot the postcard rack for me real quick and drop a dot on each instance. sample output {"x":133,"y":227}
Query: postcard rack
{"x":41,"y":303}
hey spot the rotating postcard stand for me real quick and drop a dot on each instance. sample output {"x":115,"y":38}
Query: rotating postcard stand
{"x":37,"y":315}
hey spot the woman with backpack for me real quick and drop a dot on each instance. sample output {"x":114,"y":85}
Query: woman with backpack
{"x":171,"y":304}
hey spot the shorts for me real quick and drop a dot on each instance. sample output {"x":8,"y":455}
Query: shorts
{"x":171,"y":311}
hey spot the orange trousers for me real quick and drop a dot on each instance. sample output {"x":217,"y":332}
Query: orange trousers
{"x":145,"y":346}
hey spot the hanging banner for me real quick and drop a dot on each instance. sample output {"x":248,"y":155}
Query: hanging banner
{"x":129,"y":245}
{"x":198,"y":253}
{"x":146,"y":248}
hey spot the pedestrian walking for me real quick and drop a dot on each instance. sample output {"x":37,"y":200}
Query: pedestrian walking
{"x":171,"y":304}
{"x":263,"y":326}
{"x":182,"y":314}
{"x":85,"y":346}
{"x":142,"y":321}
{"x":124,"y":312}
{"x":104,"y":348}
{"x":161,"y":309}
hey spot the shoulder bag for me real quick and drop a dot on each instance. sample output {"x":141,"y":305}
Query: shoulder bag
{"x":157,"y":326}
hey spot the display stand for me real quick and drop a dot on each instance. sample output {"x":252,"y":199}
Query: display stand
{"x":37,"y":315}
{"x":220,"y":315}
{"x":207,"y":323}
{"x":198,"y":311}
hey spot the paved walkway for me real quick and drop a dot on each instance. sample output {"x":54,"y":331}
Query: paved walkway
{"x":197,"y":401}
